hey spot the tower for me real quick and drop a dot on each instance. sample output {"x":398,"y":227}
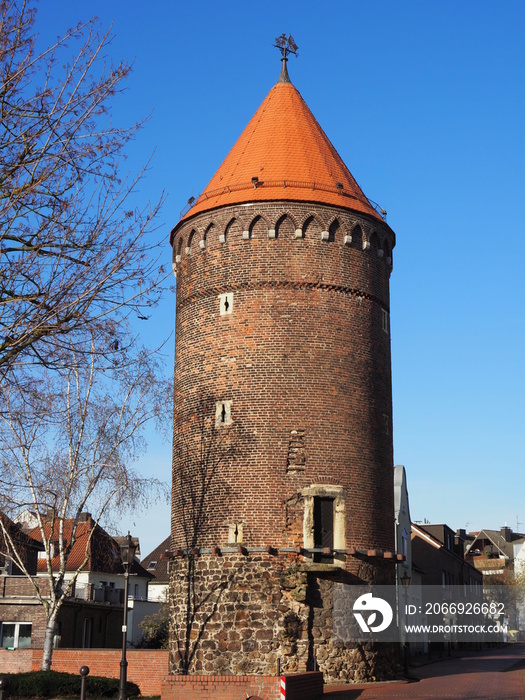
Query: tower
{"x":282,"y":468}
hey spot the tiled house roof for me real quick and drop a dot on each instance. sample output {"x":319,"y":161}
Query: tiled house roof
{"x":103,"y":552}
{"x":284,"y":147}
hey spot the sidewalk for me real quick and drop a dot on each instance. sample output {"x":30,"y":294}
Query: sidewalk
{"x":491,"y":674}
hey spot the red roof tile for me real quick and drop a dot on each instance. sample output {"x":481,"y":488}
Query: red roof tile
{"x":103,"y":552}
{"x":286,"y":149}
{"x":80,"y":549}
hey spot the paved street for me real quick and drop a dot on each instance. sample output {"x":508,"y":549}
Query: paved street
{"x":494,"y":674}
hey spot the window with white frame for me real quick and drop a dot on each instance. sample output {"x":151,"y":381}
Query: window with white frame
{"x":15,"y":635}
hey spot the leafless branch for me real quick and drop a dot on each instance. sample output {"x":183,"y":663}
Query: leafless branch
{"x":73,"y":252}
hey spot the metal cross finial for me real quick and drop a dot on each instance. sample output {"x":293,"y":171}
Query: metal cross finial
{"x":286,"y":46}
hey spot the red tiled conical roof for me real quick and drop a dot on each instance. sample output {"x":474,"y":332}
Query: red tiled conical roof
{"x":284,"y":147}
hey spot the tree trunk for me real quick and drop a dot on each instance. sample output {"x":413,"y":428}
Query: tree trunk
{"x":48,"y":641}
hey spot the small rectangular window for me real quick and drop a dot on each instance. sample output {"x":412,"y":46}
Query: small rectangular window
{"x":87,"y":632}
{"x":323,"y":528}
{"x":226,"y":303}
{"x":223,"y":413}
{"x":404,"y":544}
{"x":384,"y":320}
{"x":235,"y":533}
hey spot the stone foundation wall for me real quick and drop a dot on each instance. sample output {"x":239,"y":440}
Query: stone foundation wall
{"x":242,"y":614}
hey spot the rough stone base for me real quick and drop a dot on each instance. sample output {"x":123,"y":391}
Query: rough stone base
{"x":245,"y":614}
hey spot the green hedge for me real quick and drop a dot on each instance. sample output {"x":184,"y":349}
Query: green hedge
{"x":46,"y":684}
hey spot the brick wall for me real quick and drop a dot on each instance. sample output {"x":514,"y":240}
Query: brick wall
{"x":21,"y":586}
{"x":147,"y":668}
{"x":25,"y":610}
{"x":105,"y":620}
{"x":303,"y":353}
{"x":18,"y":661}
{"x":306,"y":686}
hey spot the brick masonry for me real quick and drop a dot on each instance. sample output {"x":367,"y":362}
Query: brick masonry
{"x":221,"y":688}
{"x":304,"y":349}
{"x":304,"y":686}
{"x":302,"y":358}
{"x":147,"y":668}
{"x":18,"y":603}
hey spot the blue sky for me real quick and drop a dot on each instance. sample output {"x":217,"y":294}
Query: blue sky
{"x":425,"y":102}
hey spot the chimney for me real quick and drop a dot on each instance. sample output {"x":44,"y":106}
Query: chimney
{"x":506,"y":533}
{"x":50,"y":515}
{"x":84,"y":517}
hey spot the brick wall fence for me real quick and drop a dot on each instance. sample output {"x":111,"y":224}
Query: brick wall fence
{"x":146,"y":667}
{"x":18,"y":661}
{"x":300,"y":686}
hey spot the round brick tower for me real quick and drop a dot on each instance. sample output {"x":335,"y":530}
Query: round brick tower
{"x":283,"y":459}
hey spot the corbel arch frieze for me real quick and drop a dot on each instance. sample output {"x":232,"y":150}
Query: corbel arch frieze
{"x":335,"y":229}
{"x":281,"y":216}
{"x":191,"y":242}
{"x":375,"y":245}
{"x":312,"y":225}
{"x":285,"y":221}
{"x":255,"y":224}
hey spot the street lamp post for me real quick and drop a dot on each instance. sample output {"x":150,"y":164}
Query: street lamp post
{"x":127,"y":552}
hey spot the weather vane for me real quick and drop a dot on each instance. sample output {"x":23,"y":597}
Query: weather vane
{"x":286,"y":46}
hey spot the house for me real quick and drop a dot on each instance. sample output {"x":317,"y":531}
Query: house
{"x":91,"y":616}
{"x":157,"y":564}
{"x":15,"y":626}
{"x":27,"y":548}
{"x":439,"y":552}
{"x":500,"y":556}
{"x":493,"y":552}
{"x":447,"y":578}
{"x":408,"y":577}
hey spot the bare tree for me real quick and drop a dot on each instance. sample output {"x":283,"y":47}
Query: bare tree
{"x":73,"y":251}
{"x":67,"y":445}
